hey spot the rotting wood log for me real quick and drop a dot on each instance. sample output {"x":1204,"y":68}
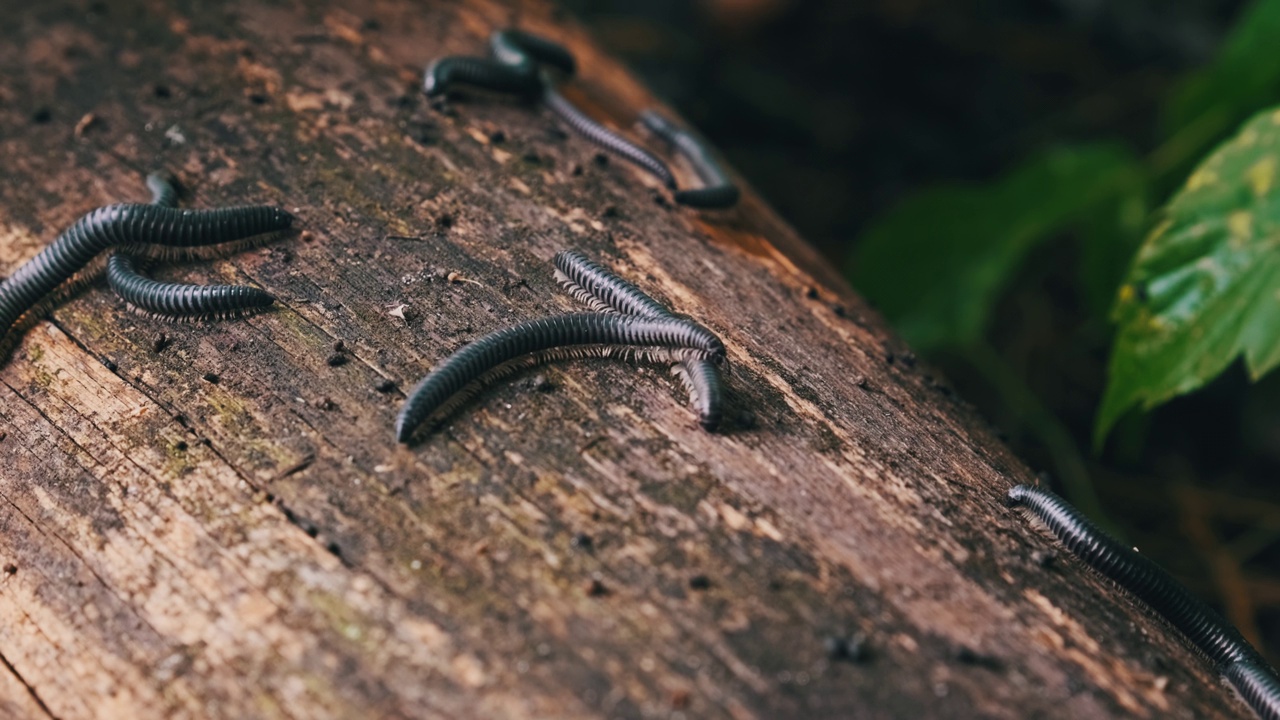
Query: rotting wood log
{"x":215,"y":520}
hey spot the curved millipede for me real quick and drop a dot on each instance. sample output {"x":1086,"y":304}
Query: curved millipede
{"x":523,"y":53}
{"x":593,"y":285}
{"x":519,"y":49}
{"x":516,"y":69}
{"x":481,"y":356}
{"x":130,"y":226}
{"x":553,"y":355}
{"x":122,"y":272}
{"x":718,"y":191}
{"x":701,"y":379}
{"x":1213,"y":636}
{"x":179,"y":301}
{"x":607,"y":139}
{"x":576,"y":270}
{"x":446,"y":73}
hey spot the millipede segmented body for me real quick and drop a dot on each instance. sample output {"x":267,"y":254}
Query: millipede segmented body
{"x":607,"y":139}
{"x":518,"y":66}
{"x":1217,"y":639}
{"x":179,"y":301}
{"x":524,"y":53}
{"x":1257,"y":685}
{"x":519,"y":49}
{"x":601,"y":290}
{"x":701,"y":379}
{"x":182,"y":301}
{"x":446,"y":73}
{"x":131,"y":226}
{"x":718,"y":191}
{"x":1206,"y":629}
{"x":481,"y":356}
{"x":558,"y":354}
{"x":576,"y":270}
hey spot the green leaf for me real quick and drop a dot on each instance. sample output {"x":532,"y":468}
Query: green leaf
{"x":937,"y":263}
{"x":1204,"y":288}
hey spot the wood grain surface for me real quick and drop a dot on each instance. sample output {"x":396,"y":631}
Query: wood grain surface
{"x":215,"y":521}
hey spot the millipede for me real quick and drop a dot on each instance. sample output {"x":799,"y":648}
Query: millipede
{"x":163,"y":193}
{"x":1214,"y":637}
{"x":133,"y":227}
{"x":516,"y":68}
{"x":718,"y":191}
{"x":588,"y":281}
{"x":605,"y":138}
{"x":701,"y":379}
{"x":476,"y":359}
{"x":598,"y":288}
{"x":1257,"y":685}
{"x":179,"y":301}
{"x":656,"y":355}
{"x":446,"y":73}
{"x":526,"y":51}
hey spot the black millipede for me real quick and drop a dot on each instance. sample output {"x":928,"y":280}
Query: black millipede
{"x":1208,"y":632}
{"x":717,"y":190}
{"x":607,"y":139}
{"x":179,"y":301}
{"x":1213,"y":636}
{"x":589,"y":281}
{"x":1216,"y":638}
{"x":519,"y":49}
{"x":701,"y":379}
{"x":133,"y":227}
{"x":524,"y":52}
{"x":446,"y":73}
{"x":601,"y":290}
{"x":481,"y":356}
{"x":553,"y":355}
{"x":516,"y":69}
{"x":1257,"y":685}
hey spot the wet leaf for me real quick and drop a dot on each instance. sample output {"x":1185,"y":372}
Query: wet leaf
{"x":1204,"y":288}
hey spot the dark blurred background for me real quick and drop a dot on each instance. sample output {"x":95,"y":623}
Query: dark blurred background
{"x":837,"y":110}
{"x":834,"y":109}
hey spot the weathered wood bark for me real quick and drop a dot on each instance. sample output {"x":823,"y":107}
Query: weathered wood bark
{"x":220,"y":524}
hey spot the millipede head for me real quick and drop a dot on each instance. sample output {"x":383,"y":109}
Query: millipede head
{"x":657,"y":123}
{"x":162,"y":190}
{"x":521,"y":49}
{"x":431,"y":81}
{"x":443,"y":74}
{"x":1017,"y":495}
{"x":282,"y":219}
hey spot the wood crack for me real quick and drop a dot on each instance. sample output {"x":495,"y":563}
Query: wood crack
{"x":35,"y":696}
